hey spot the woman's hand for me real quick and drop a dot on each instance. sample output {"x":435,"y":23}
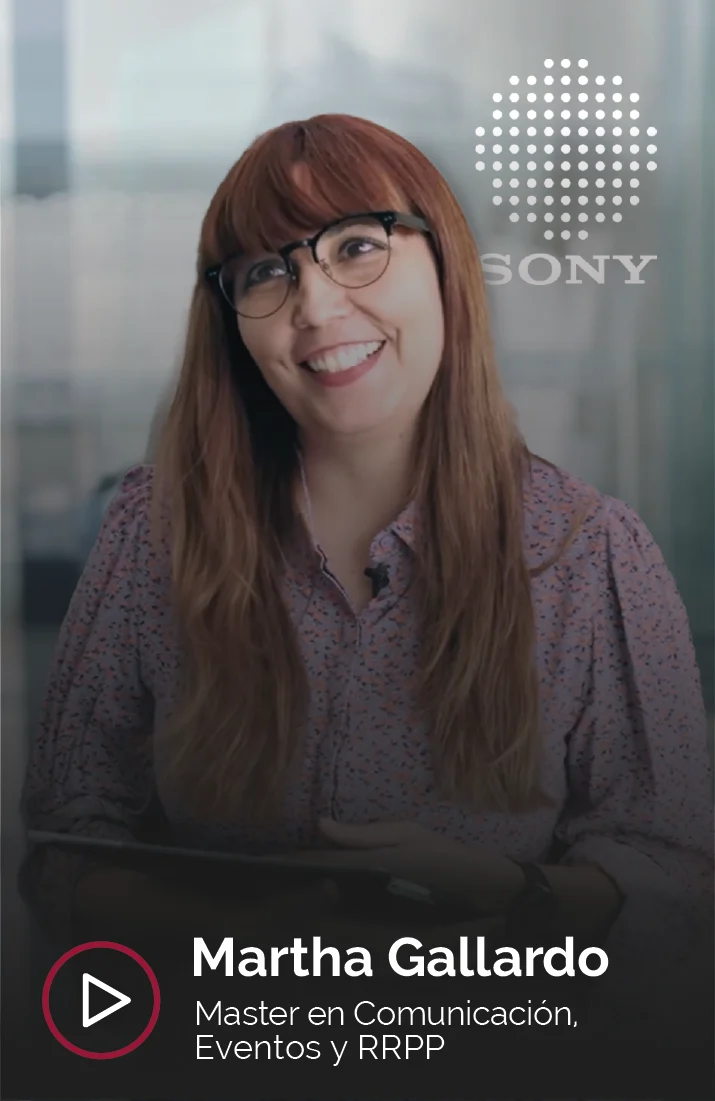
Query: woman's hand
{"x":473,"y":874}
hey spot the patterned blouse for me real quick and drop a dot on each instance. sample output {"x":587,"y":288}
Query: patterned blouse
{"x":623,"y":717}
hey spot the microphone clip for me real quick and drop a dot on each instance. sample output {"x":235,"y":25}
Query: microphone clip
{"x":380,"y":577}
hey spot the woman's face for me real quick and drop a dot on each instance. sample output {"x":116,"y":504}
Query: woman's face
{"x":346,"y":361}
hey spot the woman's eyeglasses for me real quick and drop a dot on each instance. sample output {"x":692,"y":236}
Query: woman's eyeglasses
{"x":353,"y":251}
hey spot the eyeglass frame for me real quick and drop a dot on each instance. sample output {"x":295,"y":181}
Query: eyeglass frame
{"x":389,"y":219}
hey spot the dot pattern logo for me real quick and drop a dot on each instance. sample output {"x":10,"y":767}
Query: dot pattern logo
{"x":591,"y":143}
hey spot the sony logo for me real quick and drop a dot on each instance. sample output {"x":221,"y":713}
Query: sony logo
{"x":541,"y":268}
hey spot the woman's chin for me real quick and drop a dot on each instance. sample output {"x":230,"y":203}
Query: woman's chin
{"x":361,"y":418}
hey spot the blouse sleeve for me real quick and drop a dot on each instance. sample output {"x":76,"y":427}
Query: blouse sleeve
{"x":640,"y":792}
{"x":89,"y":771}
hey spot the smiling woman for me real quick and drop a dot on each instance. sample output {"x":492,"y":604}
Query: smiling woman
{"x":283,"y":221}
{"x":506,"y":709}
{"x":352,"y":254}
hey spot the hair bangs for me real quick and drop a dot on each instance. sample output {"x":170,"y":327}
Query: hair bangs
{"x":300,"y":176}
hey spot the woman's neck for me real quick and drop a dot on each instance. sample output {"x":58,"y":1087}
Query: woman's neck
{"x":363,"y":483}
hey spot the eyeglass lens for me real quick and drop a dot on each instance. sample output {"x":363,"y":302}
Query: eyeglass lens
{"x":353,"y":253}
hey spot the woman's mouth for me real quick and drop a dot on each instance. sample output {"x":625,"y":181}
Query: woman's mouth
{"x":345,"y":364}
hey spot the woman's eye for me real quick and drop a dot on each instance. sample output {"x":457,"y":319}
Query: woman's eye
{"x":262,"y":273}
{"x":358,"y":246}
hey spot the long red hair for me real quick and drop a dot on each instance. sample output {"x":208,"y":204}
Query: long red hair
{"x":226,"y":464}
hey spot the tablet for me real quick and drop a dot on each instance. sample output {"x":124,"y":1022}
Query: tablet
{"x":154,"y":857}
{"x":228,"y":872}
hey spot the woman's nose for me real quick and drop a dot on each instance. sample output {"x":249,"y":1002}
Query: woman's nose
{"x":318,"y":298}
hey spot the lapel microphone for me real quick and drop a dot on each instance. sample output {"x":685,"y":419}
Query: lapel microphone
{"x":380,"y":577}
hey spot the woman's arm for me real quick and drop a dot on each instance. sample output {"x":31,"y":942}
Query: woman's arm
{"x":640,"y":790}
{"x":640,"y":805}
{"x":90,"y":769}
{"x":484,"y":882}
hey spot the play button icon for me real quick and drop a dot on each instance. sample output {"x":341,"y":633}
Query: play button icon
{"x":81,"y":1009}
{"x":121,"y":1000}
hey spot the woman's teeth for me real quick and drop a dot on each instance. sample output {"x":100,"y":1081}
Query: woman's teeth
{"x":342,"y":359}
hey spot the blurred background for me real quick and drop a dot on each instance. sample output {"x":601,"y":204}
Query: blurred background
{"x":118,"y":119}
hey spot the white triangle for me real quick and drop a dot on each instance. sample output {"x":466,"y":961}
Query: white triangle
{"x":121,"y":1001}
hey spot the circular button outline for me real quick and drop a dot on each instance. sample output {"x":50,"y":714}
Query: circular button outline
{"x":86,"y":947}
